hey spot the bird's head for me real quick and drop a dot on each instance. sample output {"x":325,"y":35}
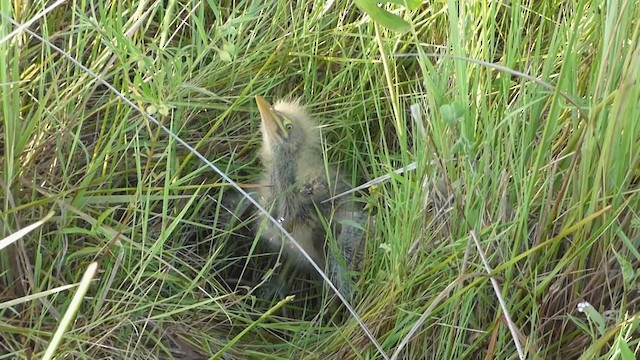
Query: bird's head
{"x":286,"y":128}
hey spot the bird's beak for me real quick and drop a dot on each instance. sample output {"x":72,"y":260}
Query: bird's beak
{"x":271,"y":120}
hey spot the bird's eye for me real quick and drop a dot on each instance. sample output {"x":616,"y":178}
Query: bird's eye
{"x":289,"y":127}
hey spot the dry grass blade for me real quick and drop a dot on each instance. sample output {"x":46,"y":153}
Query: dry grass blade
{"x":22,"y":232}
{"x":71,"y":312}
{"x":31,"y":21}
{"x":496,"y":287}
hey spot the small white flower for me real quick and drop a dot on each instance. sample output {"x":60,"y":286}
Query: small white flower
{"x":583,"y":305}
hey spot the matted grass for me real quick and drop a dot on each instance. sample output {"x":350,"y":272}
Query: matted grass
{"x":523,"y":119}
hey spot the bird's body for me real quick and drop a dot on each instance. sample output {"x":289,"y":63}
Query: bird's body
{"x":295,"y":184}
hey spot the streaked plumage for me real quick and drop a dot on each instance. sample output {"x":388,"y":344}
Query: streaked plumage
{"x":294,"y":183}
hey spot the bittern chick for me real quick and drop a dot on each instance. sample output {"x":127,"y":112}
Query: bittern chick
{"x":294,"y":184}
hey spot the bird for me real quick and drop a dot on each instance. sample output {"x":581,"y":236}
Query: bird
{"x":294,"y":187}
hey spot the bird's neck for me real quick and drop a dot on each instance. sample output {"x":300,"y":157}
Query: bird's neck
{"x":283,"y":175}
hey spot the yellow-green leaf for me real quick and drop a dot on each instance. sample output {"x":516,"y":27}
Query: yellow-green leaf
{"x":383,"y":17}
{"x":410,"y":4}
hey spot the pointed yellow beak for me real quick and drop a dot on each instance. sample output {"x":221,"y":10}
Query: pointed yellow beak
{"x":271,"y":121}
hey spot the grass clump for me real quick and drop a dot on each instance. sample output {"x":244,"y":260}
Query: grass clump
{"x":522,"y":119}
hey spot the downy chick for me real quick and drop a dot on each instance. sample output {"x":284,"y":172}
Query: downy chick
{"x":294,"y":184}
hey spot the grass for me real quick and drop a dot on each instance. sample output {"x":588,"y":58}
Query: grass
{"x":523,"y":120}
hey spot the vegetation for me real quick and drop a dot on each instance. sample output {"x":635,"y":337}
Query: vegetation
{"x":522,"y":118}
